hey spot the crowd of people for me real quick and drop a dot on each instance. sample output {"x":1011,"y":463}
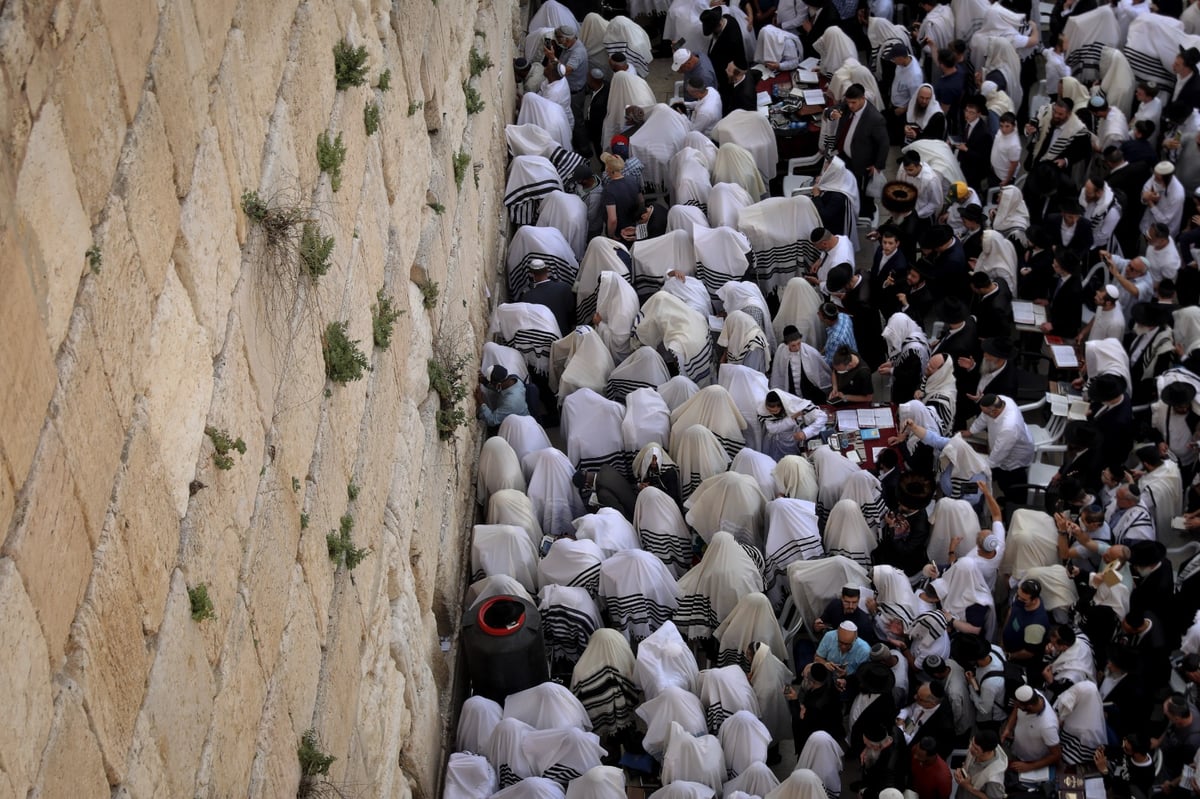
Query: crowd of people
{"x":985,"y":590}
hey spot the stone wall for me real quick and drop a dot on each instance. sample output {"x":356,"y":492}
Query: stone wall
{"x":132,"y":129}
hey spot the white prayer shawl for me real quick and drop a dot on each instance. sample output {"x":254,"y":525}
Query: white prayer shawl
{"x":741,"y":336}
{"x":504,"y":549}
{"x":498,"y":469}
{"x":623,"y":35}
{"x":724,"y":691}
{"x":588,"y":363}
{"x":1076,"y":663}
{"x":505,"y":753}
{"x":646,"y":456}
{"x":469,"y":776}
{"x":1151,"y":46}
{"x":834,"y":48}
{"x":683,"y":22}
{"x":814,"y":583}
{"x":591,"y":33}
{"x":922,"y":119}
{"x":703,"y":145}
{"x":512,"y":506}
{"x":548,"y":706}
{"x":758,"y":465}
{"x":1001,"y":21}
{"x":684,"y":789}
{"x":778,"y":230}
{"x":547,"y":243}
{"x":552,"y":14}
{"x":1116,"y":79}
{"x":968,"y":17}
{"x":476,"y":722}
{"x":728,"y":501}
{"x":571,"y":562}
{"x":726,"y":201}
{"x":747,"y":387}
{"x":951,"y":518}
{"x":691,"y":758}
{"x":601,"y":256}
{"x":530,"y":177}
{"x":591,"y":426}
{"x":756,"y":780}
{"x":535,"y":46}
{"x":1081,"y":714}
{"x":656,"y":142}
{"x":1000,"y":55}
{"x":625,"y":90}
{"x":647,"y":417}
{"x":801,"y":783}
{"x":735,"y":165}
{"x":941,"y":394}
{"x":881,"y":33}
{"x":918,"y":412}
{"x":559,"y":92}
{"x":776,"y":44}
{"x":837,"y":178}
{"x":692,"y":291}
{"x":795,"y":478}
{"x":823,"y":755}
{"x":496,"y":585}
{"x":690,"y":177}
{"x":768,"y":676}
{"x":1058,"y":589}
{"x":808,"y":362}
{"x":617,"y":303}
{"x":715,"y":409}
{"x":1032,"y":541}
{"x":665,"y":666}
{"x":999,"y":103}
{"x":554,"y":498}
{"x":568,"y":214}
{"x":752,"y":619}
{"x":569,"y":617}
{"x":603,"y":680}
{"x":864,"y":490}
{"x":662,"y":531}
{"x":938,"y":157}
{"x":678,"y":390}
{"x":798,"y":306}
{"x":563,"y":755}
{"x":529,"y":139}
{"x":847,"y":533}
{"x":1069,"y":130}
{"x":711,"y":588}
{"x":938,"y":25}
{"x":1191,"y":639}
{"x":531,"y":788}
{"x":832,"y":469}
{"x":753,"y":132}
{"x":499,"y":355}
{"x":688,"y":218}
{"x":744,"y":741}
{"x":528,"y":328}
{"x":998,"y":259}
{"x":894,"y":596}
{"x":1165,"y":488}
{"x":1011,"y":212}
{"x":599,"y":782}
{"x":654,"y":258}
{"x":903,"y":335}
{"x":962,"y":586}
{"x":743,"y":295}
{"x":1107,"y":357}
{"x":851,"y":72}
{"x":722,"y":255}
{"x":638,"y":592}
{"x":611,"y":531}
{"x":700,"y":455}
{"x":1186,"y":328}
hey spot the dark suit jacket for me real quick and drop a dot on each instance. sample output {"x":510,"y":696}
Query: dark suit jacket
{"x":1128,"y":180}
{"x":1065,"y":312}
{"x":884,"y":297}
{"x":941,"y":726}
{"x":949,"y":273}
{"x":1005,"y":381}
{"x":911,"y":227}
{"x":920,"y":303}
{"x":725,"y":48}
{"x":1081,"y":242}
{"x":827,"y":18}
{"x":559,"y":298}
{"x":1085,"y":466}
{"x":890,"y":771}
{"x":614,"y":491}
{"x":597,"y":110}
{"x":1191,"y":91}
{"x":868,"y":327}
{"x":993,"y":314}
{"x":1116,"y":428}
{"x":973,"y":244}
{"x":1138,"y":151}
{"x":976,"y":161}
{"x":870,"y":143}
{"x":743,"y":97}
{"x":963,"y":343}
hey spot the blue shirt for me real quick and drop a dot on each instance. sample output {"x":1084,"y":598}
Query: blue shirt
{"x":512,"y":403}
{"x":841,"y":332}
{"x":858,"y":654}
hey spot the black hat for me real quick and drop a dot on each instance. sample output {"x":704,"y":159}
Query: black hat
{"x":520,"y":64}
{"x":839,"y":277}
{"x":954,"y":311}
{"x":1039,"y":237}
{"x":1070,"y":205}
{"x":1067,"y":259}
{"x":936,"y":236}
{"x":790,"y":334}
{"x":1148,"y":313}
{"x":876,"y":733}
{"x":875,"y":677}
{"x":998,"y":347}
{"x":818,"y":672}
{"x":899,"y":197}
{"x":914,"y":491}
{"x":579,"y":479}
{"x":1146,"y":553}
{"x":1190,"y":56}
{"x":1106,"y":387}
{"x":981,"y":280}
{"x":972,"y":212}
{"x":618,"y":57}
{"x":498,"y":374}
{"x":1177,"y":393}
{"x":711,"y":17}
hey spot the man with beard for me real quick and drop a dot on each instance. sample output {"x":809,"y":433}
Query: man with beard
{"x":885,"y":761}
{"x":917,"y":298}
{"x":1102,"y":211}
{"x":1151,"y":352}
{"x":849,"y":287}
{"x":1059,"y":140}
{"x":905,"y":535}
{"x":948,"y":270}
{"x":725,"y":45}
{"x":816,"y":706}
{"x":924,"y":118}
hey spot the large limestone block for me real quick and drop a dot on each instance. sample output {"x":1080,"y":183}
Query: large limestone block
{"x":132,"y":26}
{"x":52,"y":26}
{"x":206,"y":255}
{"x":381,"y":718}
{"x":54,"y":229}
{"x":93,"y":117}
{"x":50,"y":544}
{"x":212,"y":24}
{"x":308,"y":84}
{"x":341,"y":675}
{"x":24,"y":682}
{"x":178,"y":386}
{"x":148,"y":188}
{"x":28,"y":364}
{"x":72,"y":765}
{"x":274,"y":535}
{"x":181,"y":86}
{"x":179,"y":695}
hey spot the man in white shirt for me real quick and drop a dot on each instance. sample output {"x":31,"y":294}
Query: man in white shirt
{"x":1163,"y":197}
{"x":1131,"y":277}
{"x":1109,"y":321}
{"x":1162,"y":256}
{"x":909,"y":78}
{"x":834,"y":250}
{"x":930,"y":194}
{"x":704,"y":105}
{"x":1010,"y":446}
{"x":1034,"y":733}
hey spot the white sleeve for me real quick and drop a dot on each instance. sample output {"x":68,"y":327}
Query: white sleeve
{"x":817,"y":419}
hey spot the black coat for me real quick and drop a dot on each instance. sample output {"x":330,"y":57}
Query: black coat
{"x":976,"y":160}
{"x":1128,"y":181}
{"x":725,"y":48}
{"x":597,"y":111}
{"x":559,"y":298}
{"x":949,"y":273}
{"x":993,"y":314}
{"x":1081,"y":242}
{"x":1116,"y":428}
{"x":743,"y":97}
{"x":870,"y":143}
{"x":884,"y":297}
{"x":1065,"y":312}
{"x":892,"y":770}
{"x":868,"y":326}
{"x":826,"y":18}
{"x":973,"y":244}
{"x":961,"y":343}
{"x":1190,"y":93}
{"x":920,"y":303}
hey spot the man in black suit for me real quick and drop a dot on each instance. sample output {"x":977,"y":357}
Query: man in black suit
{"x":1064,"y":306}
{"x":553,"y":294}
{"x":997,"y":372}
{"x":1035,"y":277}
{"x":960,"y":339}
{"x":595,"y":108}
{"x":948,"y":271}
{"x":975,"y":151}
{"x":1111,"y":413}
{"x":821,"y":17}
{"x":991,"y":306}
{"x":1068,"y":230}
{"x":1127,"y":179}
{"x":917,"y":298}
{"x":886,"y":761}
{"x":742,"y":94}
{"x":1187,"y":84}
{"x":726,"y":44}
{"x":930,"y":715}
{"x":972,"y":219}
{"x":899,"y":201}
{"x":863,"y":131}
{"x":888,"y":268}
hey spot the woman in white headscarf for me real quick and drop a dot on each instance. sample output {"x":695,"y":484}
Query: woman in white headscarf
{"x":728,"y":501}
{"x":908,"y":353}
{"x":796,"y":478}
{"x":752,"y":619}
{"x":745,"y":342}
{"x":998,"y":259}
{"x":511,"y":506}
{"x":662,"y":531}
{"x":792,"y":534}
{"x":836,"y":179}
{"x":664,"y":661}
{"x":833,"y":469}
{"x":823,"y":755}
{"x":476,"y":723}
{"x":499,"y":469}
{"x":556,"y":503}
{"x":673,"y":705}
{"x":700,"y":455}
{"x":569,"y":617}
{"x":801,"y":783}
{"x":637,"y":592}
{"x":603,"y":681}
{"x":572,"y":562}
{"x":940,"y":392}
{"x":744,"y":740}
{"x":965,"y":596}
{"x":1012,"y":217}
{"x":847,"y":534}
{"x":711,"y":588}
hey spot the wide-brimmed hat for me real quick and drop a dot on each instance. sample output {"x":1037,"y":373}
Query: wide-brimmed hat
{"x":899,"y":197}
{"x":998,"y":347}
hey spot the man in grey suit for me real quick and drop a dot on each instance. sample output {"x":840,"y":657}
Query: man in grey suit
{"x":861,"y":140}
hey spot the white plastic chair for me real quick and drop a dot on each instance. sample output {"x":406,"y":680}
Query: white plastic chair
{"x":793,"y":183}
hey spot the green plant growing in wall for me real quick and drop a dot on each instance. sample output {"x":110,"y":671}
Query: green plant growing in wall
{"x":371,"y":117}
{"x":447,"y":377}
{"x":429,"y":293}
{"x":383,"y":319}
{"x":295,"y":484}
{"x":330,"y":155}
{"x":223,"y":445}
{"x":94,"y":259}
{"x":415,"y":106}
{"x":314,"y":764}
{"x":462,"y":160}
{"x":303,"y":521}
{"x":315,"y":250}
{"x":479,"y":62}
{"x":472,"y":98}
{"x":349,"y":65}
{"x":385,"y":80}
{"x":352,"y":490}
{"x":344,"y":361}
{"x":202,"y":606}
{"x":438,"y":208}
{"x":341,"y":548}
{"x":278,"y":224}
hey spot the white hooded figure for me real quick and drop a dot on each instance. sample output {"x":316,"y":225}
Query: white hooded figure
{"x":664,"y":660}
{"x":711,"y":588}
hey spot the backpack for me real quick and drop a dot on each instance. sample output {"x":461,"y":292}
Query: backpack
{"x":1014,"y":677}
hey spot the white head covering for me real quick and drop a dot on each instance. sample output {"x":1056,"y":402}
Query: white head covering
{"x":469,"y":776}
{"x":850,"y":72}
{"x":962,"y":586}
{"x":611,"y":531}
{"x":938,"y":156}
{"x":591,"y":426}
{"x":626,"y":89}
{"x":711,"y":588}
{"x":673,"y":705}
{"x":647,"y":418}
{"x":563,"y":754}
{"x":548,"y":706}
{"x":599,"y":782}
{"x":998,"y":102}
{"x":744,"y":741}
{"x":603,"y":680}
{"x":740,"y":336}
{"x":1011,"y":213}
{"x":1058,"y":589}
{"x":778,"y":229}
{"x":903,"y":334}
{"x":684,"y":789}
{"x":864,"y":489}
{"x":511,"y":506}
{"x":823,"y":755}
{"x":894,"y":594}
{"x":747,"y":387}
{"x":723,"y":692}
{"x":692,"y":758}
{"x":662,"y":531}
{"x":547,"y":114}
{"x":800,"y":784}
{"x":736,"y":165}
{"x":656,"y":142}
{"x":682,"y":331}
{"x":941,"y":393}
{"x":691,"y":177}
{"x":568,"y":214}
{"x":1107,"y":356}
{"x":756,"y":780}
{"x":531,"y":788}
{"x":798,"y":306}
{"x":792,"y":534}
{"x":728,"y":501}
{"x":998,"y":258}
{"x":555,"y":501}
{"x":700,"y":455}
{"x":920,"y":413}
{"x":752,"y":619}
{"x":847,"y":534}
{"x":496,"y":585}
{"x":922,"y":118}
{"x":527,"y":327}
{"x":642,"y":371}
{"x":832,"y":470}
{"x":499,"y":355}
{"x":815,"y":582}
{"x":678,"y":390}
{"x":638,"y":592}
{"x":569,"y":617}
{"x":952,"y":517}
{"x":1032,"y":541}
{"x":834,"y":48}
{"x":796,"y":478}
{"x":964,"y":462}
{"x":498,"y":469}
{"x":476,"y":721}
{"x":530,"y":177}
{"x":714,"y":408}
{"x":753,"y":132}
{"x":602,"y":255}
{"x":617,"y":303}
{"x":591,"y":33}
{"x":687,"y":218}
{"x":623,"y":35}
{"x":725,"y":202}
{"x":664,"y":660}
{"x":579,"y":360}
{"x":504,"y":549}
{"x":506,"y":754}
{"x":836,"y":177}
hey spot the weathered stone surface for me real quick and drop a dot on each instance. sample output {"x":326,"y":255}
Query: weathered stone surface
{"x":72,"y":765}
{"x":132,"y":27}
{"x":178,"y":72}
{"x":25,"y":681}
{"x":149,"y":191}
